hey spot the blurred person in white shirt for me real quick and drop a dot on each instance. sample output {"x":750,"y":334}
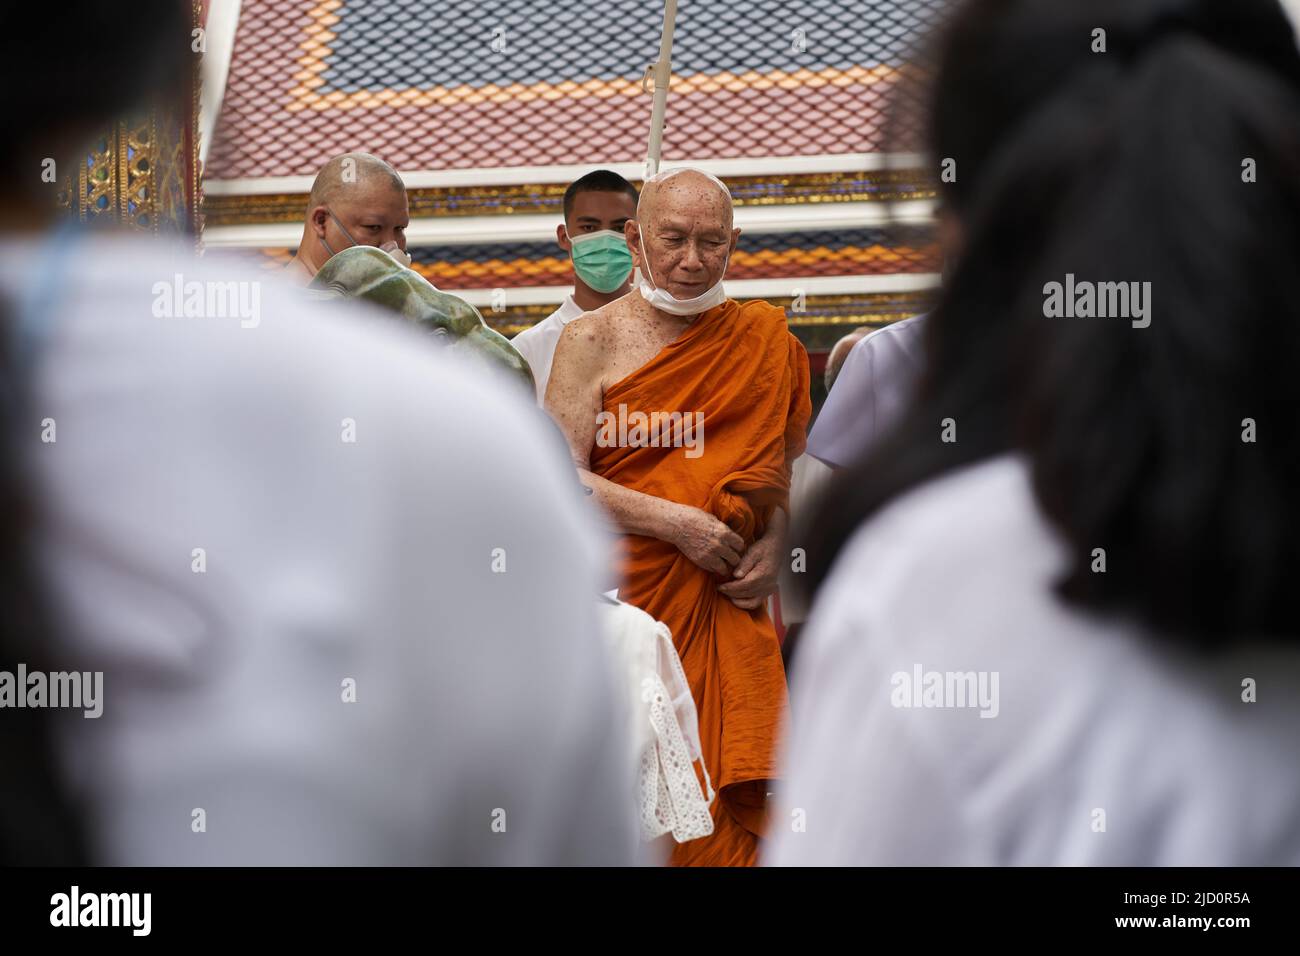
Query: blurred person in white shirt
{"x":340,"y":620}
{"x":1055,"y":618}
{"x":876,"y":377}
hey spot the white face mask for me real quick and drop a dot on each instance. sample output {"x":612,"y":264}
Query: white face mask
{"x":400,"y":255}
{"x":660,"y":299}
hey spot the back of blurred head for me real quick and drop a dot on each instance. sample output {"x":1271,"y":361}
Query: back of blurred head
{"x":95,"y":63}
{"x":1123,"y":165}
{"x":90,"y":68}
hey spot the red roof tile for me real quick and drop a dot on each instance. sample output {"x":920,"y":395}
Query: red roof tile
{"x":300,"y":90}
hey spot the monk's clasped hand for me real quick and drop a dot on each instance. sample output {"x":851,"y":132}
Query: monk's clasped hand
{"x":706,"y":541}
{"x":755,"y":576}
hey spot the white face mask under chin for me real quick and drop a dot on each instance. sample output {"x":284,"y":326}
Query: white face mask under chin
{"x":660,"y":299}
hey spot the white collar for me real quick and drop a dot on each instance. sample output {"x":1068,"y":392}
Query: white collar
{"x":568,"y":311}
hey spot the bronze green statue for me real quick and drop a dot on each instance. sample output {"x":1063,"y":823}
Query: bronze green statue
{"x":364,"y":272}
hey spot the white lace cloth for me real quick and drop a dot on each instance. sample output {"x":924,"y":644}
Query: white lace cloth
{"x":665,"y":727}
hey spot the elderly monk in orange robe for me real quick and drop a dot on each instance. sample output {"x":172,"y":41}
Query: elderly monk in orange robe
{"x":684,"y":411}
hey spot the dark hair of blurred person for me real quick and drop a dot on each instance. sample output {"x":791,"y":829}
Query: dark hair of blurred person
{"x":1121,"y":165}
{"x":95,"y":64}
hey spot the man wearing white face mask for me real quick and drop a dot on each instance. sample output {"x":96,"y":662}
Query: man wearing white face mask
{"x":596,"y":208}
{"x":356,"y":200}
{"x":683,"y":411}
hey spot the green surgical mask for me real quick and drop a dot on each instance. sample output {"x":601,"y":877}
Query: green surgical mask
{"x":601,"y":259}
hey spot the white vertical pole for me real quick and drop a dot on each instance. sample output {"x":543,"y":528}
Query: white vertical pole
{"x":662,"y":74}
{"x":223,"y":22}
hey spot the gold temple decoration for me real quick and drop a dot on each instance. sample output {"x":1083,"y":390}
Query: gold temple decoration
{"x":143,"y":172}
{"x":886,"y":185}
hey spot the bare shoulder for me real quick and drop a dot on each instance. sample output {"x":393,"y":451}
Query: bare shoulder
{"x":584,"y":332}
{"x":579,"y":349}
{"x":595,"y":334}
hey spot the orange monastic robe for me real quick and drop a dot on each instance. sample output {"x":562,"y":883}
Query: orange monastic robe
{"x":741,"y":368}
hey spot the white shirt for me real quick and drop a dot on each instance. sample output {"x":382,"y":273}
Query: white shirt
{"x":484,"y":730}
{"x":1092,"y":717}
{"x":870,"y":393}
{"x":665,"y":741}
{"x":808,"y":480}
{"x":537,"y":344}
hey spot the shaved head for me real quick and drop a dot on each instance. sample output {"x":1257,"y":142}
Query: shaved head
{"x":343,"y":173}
{"x":840,"y":353}
{"x":685,"y":187}
{"x":357,"y":199}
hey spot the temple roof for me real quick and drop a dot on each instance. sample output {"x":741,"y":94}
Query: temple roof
{"x":517,"y":83}
{"x":489,"y":110}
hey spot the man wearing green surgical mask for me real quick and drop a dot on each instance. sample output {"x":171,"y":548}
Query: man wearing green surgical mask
{"x":596,"y":207}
